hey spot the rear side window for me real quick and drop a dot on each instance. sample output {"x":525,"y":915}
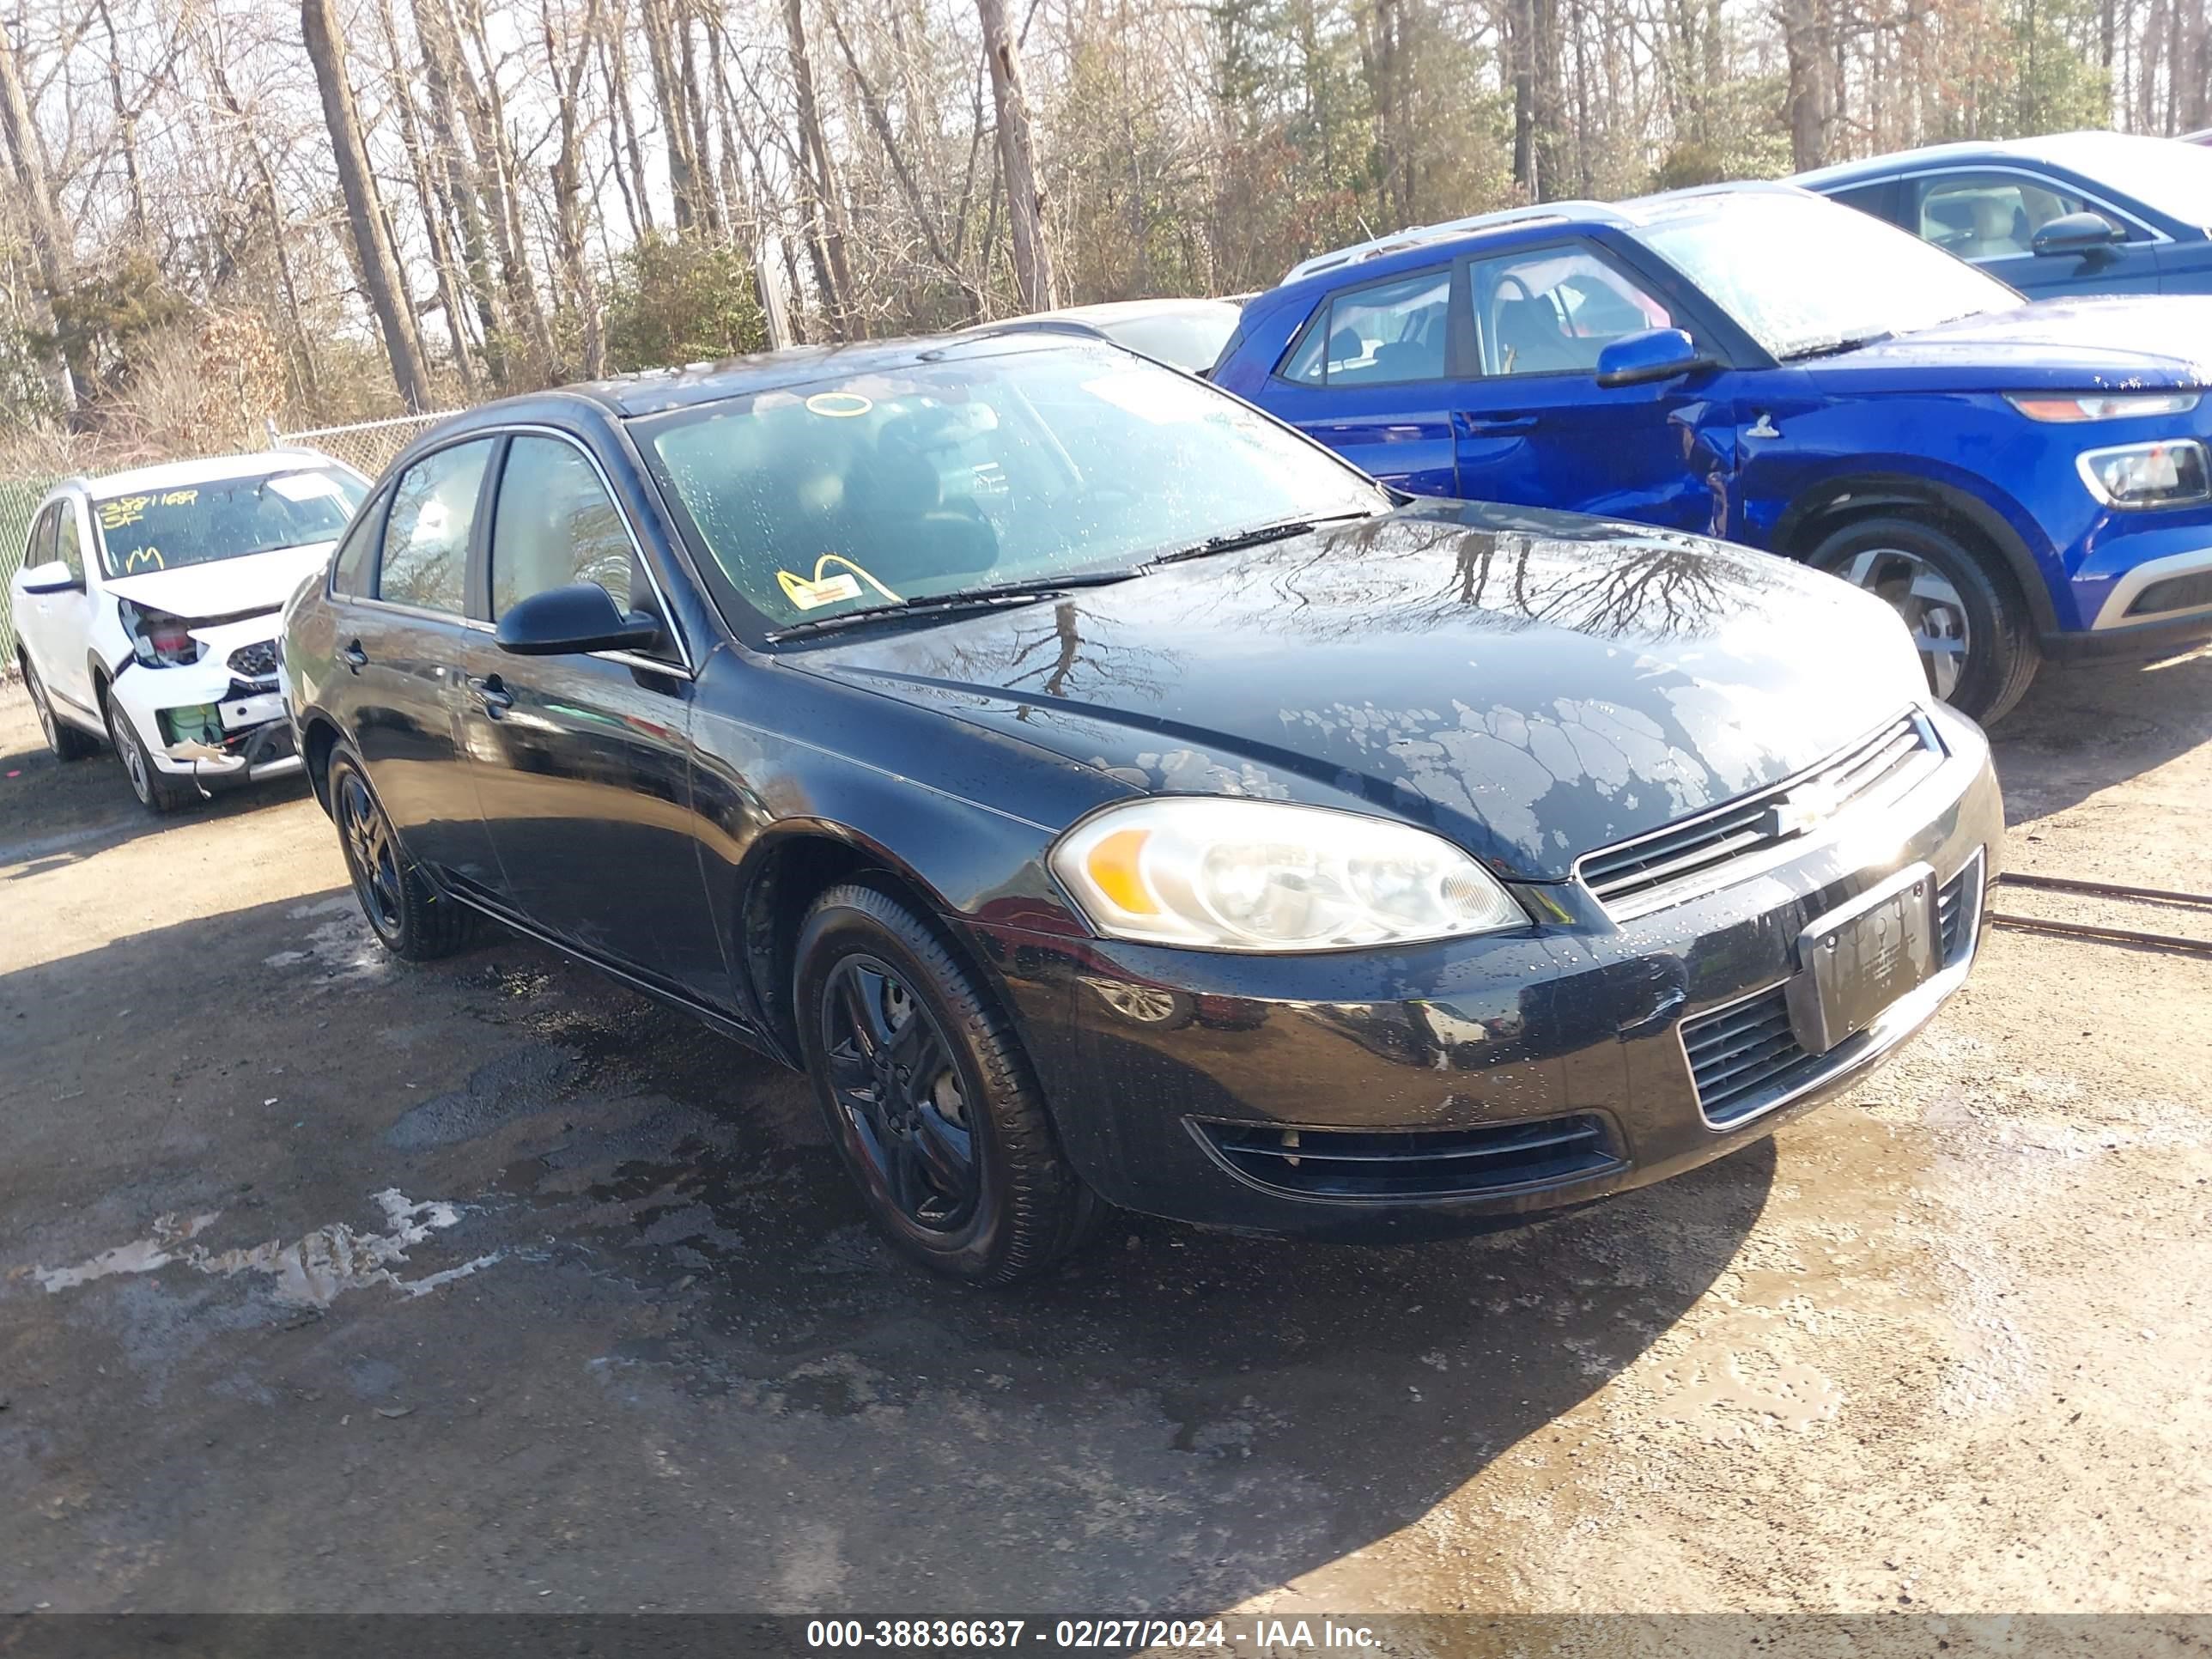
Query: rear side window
{"x":1879,"y":199}
{"x":353,"y":571}
{"x":554,"y":525}
{"x":1387,"y":334}
{"x":425,"y":561}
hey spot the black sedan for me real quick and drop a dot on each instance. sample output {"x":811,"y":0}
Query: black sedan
{"x":1110,"y":797}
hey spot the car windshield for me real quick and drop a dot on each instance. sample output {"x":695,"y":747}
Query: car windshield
{"x":1804,"y":276}
{"x":1189,"y":340}
{"x":223,"y":518}
{"x":2167,"y":177}
{"x":942,"y":478}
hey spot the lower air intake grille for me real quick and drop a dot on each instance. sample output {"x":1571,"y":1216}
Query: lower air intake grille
{"x":2174,"y":593}
{"x":1739,"y":1056}
{"x":1412,"y":1164}
{"x":1951,"y":910}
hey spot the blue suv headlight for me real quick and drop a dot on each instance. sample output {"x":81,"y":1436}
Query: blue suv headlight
{"x":2167,"y":472}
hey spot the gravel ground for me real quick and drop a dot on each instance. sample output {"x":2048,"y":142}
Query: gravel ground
{"x":331,"y":1284}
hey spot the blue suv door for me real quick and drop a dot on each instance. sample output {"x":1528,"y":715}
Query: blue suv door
{"x":1532,"y":425}
{"x":1369,"y":377}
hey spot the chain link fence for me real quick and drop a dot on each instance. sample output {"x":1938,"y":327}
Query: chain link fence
{"x":368,"y":447}
{"x":19,"y":504}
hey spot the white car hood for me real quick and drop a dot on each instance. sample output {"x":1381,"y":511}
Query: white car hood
{"x":225,"y":588}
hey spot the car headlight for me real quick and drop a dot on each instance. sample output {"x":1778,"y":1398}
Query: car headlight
{"x":1229,"y":874}
{"x":158,"y":639}
{"x":2171,"y":472}
{"x":2124,"y":406}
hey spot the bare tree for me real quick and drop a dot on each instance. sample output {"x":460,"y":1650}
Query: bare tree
{"x":1025,"y":199}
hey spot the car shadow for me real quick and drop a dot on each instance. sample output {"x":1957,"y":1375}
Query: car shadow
{"x":2081,"y":730}
{"x":656,"y":1321}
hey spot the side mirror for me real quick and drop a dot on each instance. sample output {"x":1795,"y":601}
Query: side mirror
{"x":1653,"y":354}
{"x":2077,"y":233}
{"x":581,"y":616}
{"x":52,"y":577}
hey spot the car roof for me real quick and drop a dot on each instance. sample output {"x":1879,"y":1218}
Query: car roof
{"x":1405,"y":247}
{"x":1124,"y":310}
{"x":178,"y":475}
{"x":658,"y":391}
{"x":2094,"y":154}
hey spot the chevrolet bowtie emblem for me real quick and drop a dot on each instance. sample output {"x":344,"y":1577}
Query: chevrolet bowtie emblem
{"x":1801,"y":810}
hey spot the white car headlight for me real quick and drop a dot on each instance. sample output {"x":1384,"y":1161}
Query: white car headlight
{"x":1228,"y":873}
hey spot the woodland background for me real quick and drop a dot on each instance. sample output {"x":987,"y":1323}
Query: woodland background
{"x":228,"y":212}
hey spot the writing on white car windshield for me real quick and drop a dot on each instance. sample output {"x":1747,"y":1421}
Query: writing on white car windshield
{"x":223,"y":519}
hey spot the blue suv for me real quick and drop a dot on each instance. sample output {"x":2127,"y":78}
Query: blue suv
{"x":1756,"y":363}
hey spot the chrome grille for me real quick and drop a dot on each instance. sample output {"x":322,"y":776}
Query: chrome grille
{"x":257,"y":661}
{"x":1699,"y":853}
{"x":1412,"y":1164}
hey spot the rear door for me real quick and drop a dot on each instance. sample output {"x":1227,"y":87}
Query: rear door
{"x":1532,"y":426}
{"x":399,"y":656}
{"x":1989,"y":216}
{"x":582,"y":761}
{"x":1369,"y":376}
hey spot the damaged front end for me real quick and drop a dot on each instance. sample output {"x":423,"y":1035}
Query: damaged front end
{"x":207,"y":692}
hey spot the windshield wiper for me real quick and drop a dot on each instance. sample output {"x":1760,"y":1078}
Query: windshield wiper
{"x":1230,"y":540}
{"x":1837,"y":348}
{"x":959,"y":598}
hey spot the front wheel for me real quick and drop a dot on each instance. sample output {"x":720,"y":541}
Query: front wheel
{"x":408,"y":915}
{"x":1968,"y":621}
{"x":928,"y":1096}
{"x":158,"y":791}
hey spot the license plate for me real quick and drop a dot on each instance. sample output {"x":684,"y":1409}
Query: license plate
{"x":1855,"y":961}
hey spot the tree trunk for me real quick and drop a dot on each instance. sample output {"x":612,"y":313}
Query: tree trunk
{"x":567,"y":188}
{"x":825,"y":212}
{"x":429,"y":204}
{"x":379,"y":270}
{"x":1807,"y":102}
{"x":28,"y":156}
{"x":1025,"y":196}
{"x":440,"y":48}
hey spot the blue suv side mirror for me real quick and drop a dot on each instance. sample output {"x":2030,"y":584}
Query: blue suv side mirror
{"x":1653,"y":353}
{"x":2077,"y":233}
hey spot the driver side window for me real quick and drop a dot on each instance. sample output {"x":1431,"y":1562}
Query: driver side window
{"x":1989,"y":216}
{"x":40,"y":548}
{"x":69,"y":546}
{"x":1552,"y":310}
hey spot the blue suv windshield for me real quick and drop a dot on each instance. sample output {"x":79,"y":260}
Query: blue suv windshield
{"x":1804,"y":277}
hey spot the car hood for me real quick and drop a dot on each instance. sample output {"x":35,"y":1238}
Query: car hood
{"x":225,"y":588}
{"x":1532,"y":684}
{"x":2100,"y":344}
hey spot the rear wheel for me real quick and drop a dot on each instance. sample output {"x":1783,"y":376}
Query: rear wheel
{"x":928,"y":1096}
{"x":1968,"y":621}
{"x":410,"y":918}
{"x":67,"y":742}
{"x":158,"y":791}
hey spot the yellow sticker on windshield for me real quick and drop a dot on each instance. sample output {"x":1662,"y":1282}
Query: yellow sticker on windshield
{"x":839,"y":405}
{"x":827,"y":591}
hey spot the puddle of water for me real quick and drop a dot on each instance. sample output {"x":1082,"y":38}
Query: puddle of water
{"x":311,"y":1271}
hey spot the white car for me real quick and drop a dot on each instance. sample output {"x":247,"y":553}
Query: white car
{"x":146,"y":612}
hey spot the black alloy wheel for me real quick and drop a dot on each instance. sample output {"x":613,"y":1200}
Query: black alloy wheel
{"x":929,"y":1095}
{"x":410,"y":918}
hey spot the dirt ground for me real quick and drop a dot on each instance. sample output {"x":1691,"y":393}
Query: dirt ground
{"x":331,"y":1284}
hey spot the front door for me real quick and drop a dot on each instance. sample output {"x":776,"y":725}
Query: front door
{"x":1533,"y":427}
{"x":57,"y":626}
{"x":400,"y":652}
{"x":582,"y":761}
{"x":1990,"y":217}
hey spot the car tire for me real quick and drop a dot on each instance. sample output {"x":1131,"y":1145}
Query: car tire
{"x":411,"y":919}
{"x":954,"y":1153}
{"x":66,"y":741}
{"x":159,"y":793}
{"x":1912,"y":563}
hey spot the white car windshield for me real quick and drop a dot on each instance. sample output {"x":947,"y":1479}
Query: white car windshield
{"x":941,"y":478}
{"x":223,"y":518}
{"x":1805,"y":277}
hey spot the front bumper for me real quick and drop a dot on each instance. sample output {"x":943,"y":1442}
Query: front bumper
{"x":1548,"y":1063}
{"x":221,"y":719}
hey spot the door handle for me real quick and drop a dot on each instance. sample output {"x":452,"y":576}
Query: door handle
{"x":1493,"y":426}
{"x":353,"y":657}
{"x":493,"y":696}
